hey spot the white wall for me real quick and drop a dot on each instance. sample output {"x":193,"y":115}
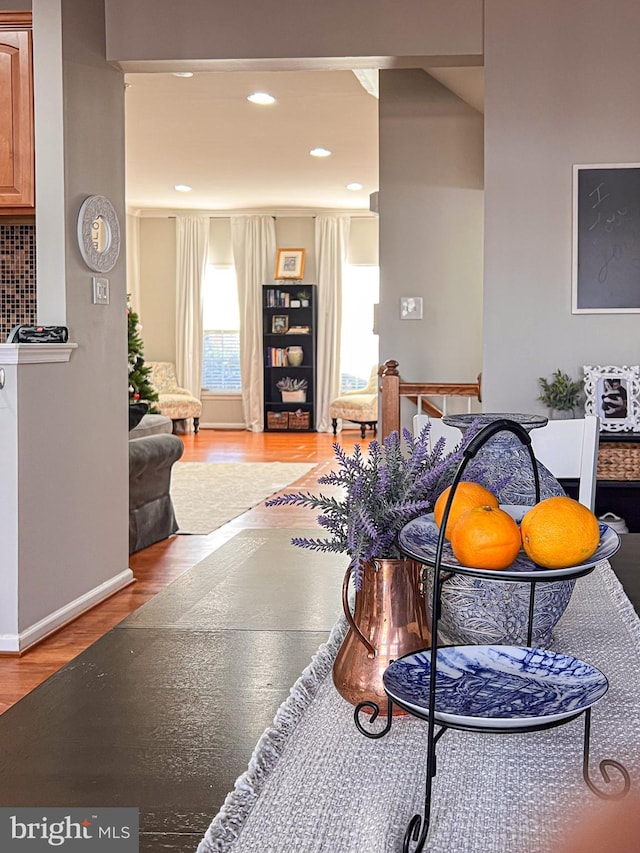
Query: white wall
{"x":157,"y":308}
{"x":561,"y":87}
{"x":431,"y":200}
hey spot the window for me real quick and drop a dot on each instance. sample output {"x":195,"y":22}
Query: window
{"x":359,"y":346}
{"x":221,"y":324}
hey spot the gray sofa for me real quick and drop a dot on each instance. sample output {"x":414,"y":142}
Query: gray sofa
{"x":152,"y":452}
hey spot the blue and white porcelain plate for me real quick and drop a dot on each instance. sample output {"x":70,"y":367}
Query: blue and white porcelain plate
{"x":419,"y":540}
{"x":496,"y":687}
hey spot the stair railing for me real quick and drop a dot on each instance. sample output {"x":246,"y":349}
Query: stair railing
{"x":394,"y":389}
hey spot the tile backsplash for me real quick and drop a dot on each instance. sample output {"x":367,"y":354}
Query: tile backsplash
{"x":17,"y":277}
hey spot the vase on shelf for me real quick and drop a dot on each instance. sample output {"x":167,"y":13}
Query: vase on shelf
{"x":479,"y":611}
{"x":561,"y":414}
{"x":389,"y":620}
{"x":295,"y":356}
{"x":294,"y":396}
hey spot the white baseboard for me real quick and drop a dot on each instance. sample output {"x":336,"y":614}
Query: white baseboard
{"x":223,"y":426}
{"x":18,"y":643}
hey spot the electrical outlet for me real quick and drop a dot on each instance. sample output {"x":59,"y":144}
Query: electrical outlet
{"x":100,"y":291}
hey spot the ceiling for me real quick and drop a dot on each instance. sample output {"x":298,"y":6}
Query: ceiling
{"x":201,"y":131}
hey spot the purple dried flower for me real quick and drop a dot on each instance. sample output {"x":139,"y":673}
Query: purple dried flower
{"x":381,"y":492}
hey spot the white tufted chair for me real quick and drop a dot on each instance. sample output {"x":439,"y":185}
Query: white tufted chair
{"x":360,"y":406}
{"x":173,"y":402}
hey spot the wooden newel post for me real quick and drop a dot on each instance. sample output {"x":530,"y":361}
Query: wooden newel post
{"x":390,"y":406}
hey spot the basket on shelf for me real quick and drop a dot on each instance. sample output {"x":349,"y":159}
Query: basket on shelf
{"x":278,"y":420}
{"x":299,"y":420}
{"x":619,"y":460}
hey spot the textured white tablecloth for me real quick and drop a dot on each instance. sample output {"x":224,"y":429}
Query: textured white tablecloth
{"x":316,"y":784}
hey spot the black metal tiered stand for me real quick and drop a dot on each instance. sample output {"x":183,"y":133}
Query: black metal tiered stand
{"x":418,"y":827}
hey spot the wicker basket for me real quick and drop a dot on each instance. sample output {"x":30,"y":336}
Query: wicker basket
{"x":299,"y":420}
{"x":619,"y":460}
{"x":277,"y":420}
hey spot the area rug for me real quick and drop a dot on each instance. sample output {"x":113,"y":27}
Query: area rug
{"x":207,"y":495}
{"x":315,"y":784}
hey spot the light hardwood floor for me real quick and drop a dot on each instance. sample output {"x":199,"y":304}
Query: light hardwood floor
{"x":157,"y":566}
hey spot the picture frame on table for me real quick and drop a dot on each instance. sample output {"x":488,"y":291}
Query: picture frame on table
{"x":280,"y":324}
{"x":613,"y":393}
{"x":290,"y":264}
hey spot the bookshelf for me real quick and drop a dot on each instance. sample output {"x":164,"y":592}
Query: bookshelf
{"x":289,"y":343}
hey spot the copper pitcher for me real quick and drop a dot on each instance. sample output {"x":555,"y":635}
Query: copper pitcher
{"x":389,"y":620}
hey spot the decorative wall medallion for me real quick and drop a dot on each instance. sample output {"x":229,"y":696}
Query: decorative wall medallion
{"x":98,"y":233}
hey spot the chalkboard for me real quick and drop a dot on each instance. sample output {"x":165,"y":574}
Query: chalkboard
{"x":606,"y":239}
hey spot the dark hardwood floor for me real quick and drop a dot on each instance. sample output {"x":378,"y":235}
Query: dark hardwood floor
{"x":157,"y":566}
{"x":159,"y":706}
{"x":156,"y":698}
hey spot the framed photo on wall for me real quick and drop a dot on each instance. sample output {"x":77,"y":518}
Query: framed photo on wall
{"x":613,"y":393}
{"x":290,"y":264}
{"x":606,"y":239}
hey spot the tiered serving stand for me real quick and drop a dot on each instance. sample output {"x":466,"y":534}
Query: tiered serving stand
{"x":493,"y":689}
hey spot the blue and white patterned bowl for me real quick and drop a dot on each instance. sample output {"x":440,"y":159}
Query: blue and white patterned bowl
{"x":419,"y":540}
{"x":496,"y":687}
{"x":475,"y":611}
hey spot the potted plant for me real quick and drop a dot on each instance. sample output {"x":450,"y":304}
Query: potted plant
{"x":292,"y":390}
{"x":304,"y":296}
{"x":561,"y":394}
{"x":377,"y":495}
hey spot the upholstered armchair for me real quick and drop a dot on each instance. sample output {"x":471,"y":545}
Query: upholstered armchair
{"x":359,"y":406}
{"x":174,"y":402}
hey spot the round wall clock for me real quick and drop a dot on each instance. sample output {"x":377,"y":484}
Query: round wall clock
{"x":98,"y":233}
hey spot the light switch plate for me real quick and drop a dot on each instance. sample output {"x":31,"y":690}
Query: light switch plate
{"x":100,"y":291}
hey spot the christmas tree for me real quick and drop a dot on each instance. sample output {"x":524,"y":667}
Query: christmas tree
{"x":140,"y":388}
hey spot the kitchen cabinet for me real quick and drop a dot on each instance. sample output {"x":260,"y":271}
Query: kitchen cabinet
{"x":17,"y":185}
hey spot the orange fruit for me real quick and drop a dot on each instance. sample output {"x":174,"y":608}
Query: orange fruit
{"x":486,"y":537}
{"x":559,"y":532}
{"x":467,"y":496}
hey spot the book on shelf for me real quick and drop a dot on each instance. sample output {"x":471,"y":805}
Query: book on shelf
{"x":277,"y":357}
{"x":276,"y":298}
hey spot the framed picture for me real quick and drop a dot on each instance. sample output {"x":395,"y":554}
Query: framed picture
{"x":411,"y":307}
{"x":613,"y":393}
{"x":290,"y":264}
{"x":606,"y":240}
{"x":280,"y":324}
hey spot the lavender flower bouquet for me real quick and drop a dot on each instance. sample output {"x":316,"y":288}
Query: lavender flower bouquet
{"x":381,"y":493}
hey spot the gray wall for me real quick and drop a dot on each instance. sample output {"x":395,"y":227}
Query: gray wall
{"x":561,"y":87}
{"x":275,"y":29}
{"x":431,"y":164}
{"x":73,"y":460}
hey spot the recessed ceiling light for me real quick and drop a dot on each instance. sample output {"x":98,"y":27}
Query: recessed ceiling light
{"x":320,"y":152}
{"x":261,"y":98}
{"x":354,"y":186}
{"x":183,"y":73}
{"x":183,"y":188}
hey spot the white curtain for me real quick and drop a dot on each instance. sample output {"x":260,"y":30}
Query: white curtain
{"x":332,"y":237}
{"x":192,"y":246}
{"x":254,"y":252}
